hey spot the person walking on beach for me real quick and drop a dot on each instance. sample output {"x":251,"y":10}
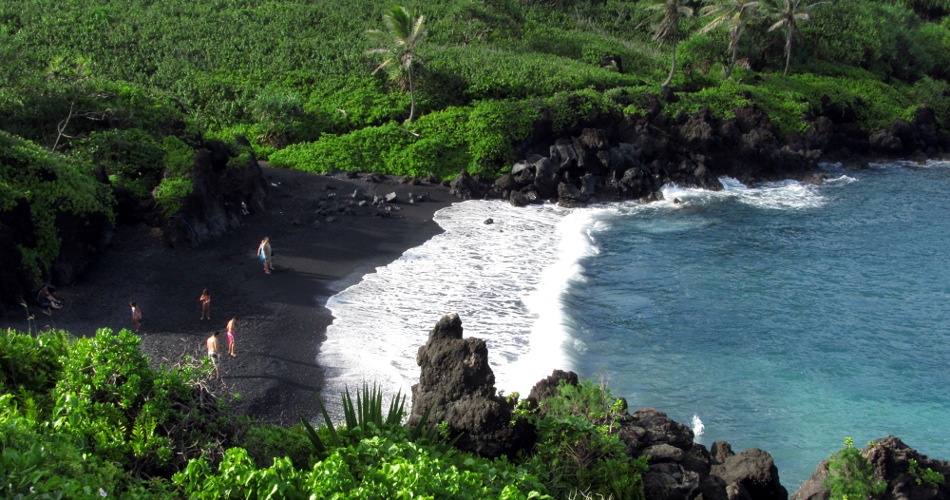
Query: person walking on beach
{"x":230,"y":332}
{"x":136,"y":316}
{"x":205,"y":300}
{"x":264,"y":254}
{"x":212,"y":343}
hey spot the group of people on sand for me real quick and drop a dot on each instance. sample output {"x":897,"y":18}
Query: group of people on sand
{"x":264,"y":253}
{"x":212,"y":342}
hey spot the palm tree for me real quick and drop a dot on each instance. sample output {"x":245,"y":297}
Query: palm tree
{"x":399,"y":46}
{"x":789,"y":17}
{"x":668,"y":28}
{"x":734,"y":13}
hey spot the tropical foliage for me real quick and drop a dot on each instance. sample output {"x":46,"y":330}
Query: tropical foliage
{"x":88,"y":418}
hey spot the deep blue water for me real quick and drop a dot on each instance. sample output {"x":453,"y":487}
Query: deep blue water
{"x":785,"y":317}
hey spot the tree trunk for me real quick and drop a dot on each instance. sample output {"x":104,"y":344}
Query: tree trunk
{"x":412,"y":98}
{"x":788,"y":50}
{"x":669,"y":78}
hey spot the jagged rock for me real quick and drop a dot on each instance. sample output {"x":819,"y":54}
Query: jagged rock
{"x":563,"y":155}
{"x":466,"y":187}
{"x":213,"y":207}
{"x":457,"y":386}
{"x":548,"y":387}
{"x":506,"y":182}
{"x":546,"y":178}
{"x":883,"y":141}
{"x":749,"y":475}
{"x":669,"y":481}
{"x":891,"y":461}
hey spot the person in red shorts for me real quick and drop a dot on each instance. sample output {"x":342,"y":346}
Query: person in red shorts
{"x":230,"y":330}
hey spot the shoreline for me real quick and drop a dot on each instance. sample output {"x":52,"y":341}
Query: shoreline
{"x":281,"y":318}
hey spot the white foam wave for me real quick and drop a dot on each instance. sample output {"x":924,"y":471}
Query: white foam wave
{"x":782,"y":195}
{"x":503,"y":279}
{"x":698,"y":426}
{"x":506,"y":280}
{"x":841,"y":180}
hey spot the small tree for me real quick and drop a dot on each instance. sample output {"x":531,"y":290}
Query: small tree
{"x":734,"y":14}
{"x":850,"y":475}
{"x":668,"y":28}
{"x":789,"y":15}
{"x":398,"y":46}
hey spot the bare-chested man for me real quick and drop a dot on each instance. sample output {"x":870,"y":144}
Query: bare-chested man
{"x":213,"y":353}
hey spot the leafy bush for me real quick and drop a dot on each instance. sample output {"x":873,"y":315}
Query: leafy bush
{"x":494,"y":129}
{"x":37,"y":463}
{"x":29,"y":365}
{"x":49,"y":184}
{"x":875,"y":36}
{"x":171,"y":193}
{"x":148,"y":421}
{"x":370,"y":455}
{"x":576,"y":447}
{"x":924,"y":475}
{"x":850,"y":475}
{"x":366,"y":149}
{"x":132,"y":158}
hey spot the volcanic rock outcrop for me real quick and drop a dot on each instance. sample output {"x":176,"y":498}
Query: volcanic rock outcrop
{"x":901,"y":467}
{"x":457,"y":386}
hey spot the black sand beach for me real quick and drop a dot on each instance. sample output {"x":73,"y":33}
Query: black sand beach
{"x":280,"y":317}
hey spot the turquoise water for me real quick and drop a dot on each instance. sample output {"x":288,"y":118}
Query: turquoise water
{"x":785,"y":318}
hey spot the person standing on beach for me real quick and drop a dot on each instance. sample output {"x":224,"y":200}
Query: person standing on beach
{"x":264,"y":254}
{"x":230,"y":331}
{"x":205,"y":300}
{"x":136,"y":316}
{"x":212,"y":343}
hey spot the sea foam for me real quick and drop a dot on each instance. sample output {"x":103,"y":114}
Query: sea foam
{"x":499,"y":267}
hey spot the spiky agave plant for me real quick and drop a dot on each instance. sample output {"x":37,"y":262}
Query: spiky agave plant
{"x":364,"y":419}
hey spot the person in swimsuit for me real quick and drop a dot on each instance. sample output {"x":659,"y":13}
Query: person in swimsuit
{"x":213,"y":353}
{"x":205,"y":300}
{"x":136,"y":316}
{"x":230,"y":331}
{"x":264,"y":253}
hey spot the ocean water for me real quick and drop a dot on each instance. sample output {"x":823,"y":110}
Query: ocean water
{"x":784,"y":317}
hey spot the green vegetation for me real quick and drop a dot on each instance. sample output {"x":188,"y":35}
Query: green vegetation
{"x":576,"y":445}
{"x":925,"y":475}
{"x":88,"y":417}
{"x":103,"y":100}
{"x":323,"y":86}
{"x":851,"y":476}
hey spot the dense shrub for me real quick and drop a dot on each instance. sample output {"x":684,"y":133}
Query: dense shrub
{"x":875,"y":36}
{"x":577,"y":452}
{"x":850,"y":475}
{"x":49,"y":184}
{"x":85,"y":417}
